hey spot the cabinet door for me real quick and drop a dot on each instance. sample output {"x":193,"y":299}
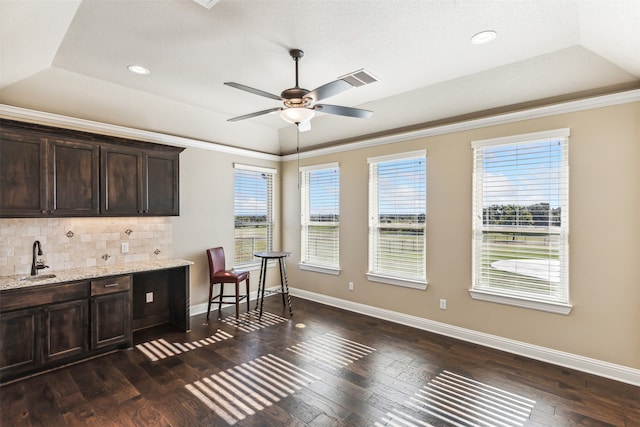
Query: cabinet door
{"x":19,"y":341}
{"x":65,"y":330}
{"x":111,"y":320}
{"x":23,"y":178}
{"x":122,"y":178}
{"x":162,"y":184}
{"x":73,"y":178}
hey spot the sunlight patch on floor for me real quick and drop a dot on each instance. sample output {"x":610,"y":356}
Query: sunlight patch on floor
{"x":250,"y":321}
{"x":161,"y":349}
{"x":462,"y":402}
{"x":332,"y":350}
{"x":248,"y":388}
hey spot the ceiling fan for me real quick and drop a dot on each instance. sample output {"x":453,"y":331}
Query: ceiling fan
{"x":301,"y":104}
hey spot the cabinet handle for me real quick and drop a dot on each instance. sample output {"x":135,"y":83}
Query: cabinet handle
{"x":111,"y":285}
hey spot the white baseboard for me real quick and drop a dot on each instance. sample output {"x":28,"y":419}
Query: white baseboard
{"x":560,"y":358}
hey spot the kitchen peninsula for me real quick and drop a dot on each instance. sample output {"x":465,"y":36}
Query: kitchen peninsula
{"x":51,"y":321}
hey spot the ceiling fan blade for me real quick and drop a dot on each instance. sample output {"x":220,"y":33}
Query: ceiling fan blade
{"x":256,"y":114}
{"x":344,"y":111}
{"x":253,"y":90}
{"x":329,"y":89}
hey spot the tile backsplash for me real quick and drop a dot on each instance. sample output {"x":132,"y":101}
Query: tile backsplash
{"x":82,"y":242}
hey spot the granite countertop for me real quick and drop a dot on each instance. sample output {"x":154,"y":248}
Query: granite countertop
{"x":14,"y":282}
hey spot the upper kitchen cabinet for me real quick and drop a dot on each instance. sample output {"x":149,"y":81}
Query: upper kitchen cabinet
{"x":139,"y":182}
{"x":23,"y":177}
{"x":73,"y":178}
{"x":161,"y":185}
{"x":122,"y":178}
{"x":46,"y":171}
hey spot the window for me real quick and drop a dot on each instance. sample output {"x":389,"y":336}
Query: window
{"x":320,"y":211}
{"x":521,"y":221}
{"x":397,"y":214}
{"x":252,"y":211}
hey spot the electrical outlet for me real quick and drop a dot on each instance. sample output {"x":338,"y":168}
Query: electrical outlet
{"x":350,"y":286}
{"x":443,"y":304}
{"x":149,"y":297}
{"x":124,"y":247}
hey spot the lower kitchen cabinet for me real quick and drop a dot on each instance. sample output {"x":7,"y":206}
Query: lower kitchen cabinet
{"x":111,"y":312}
{"x":20,"y":340}
{"x":65,"y":330}
{"x":46,"y":326}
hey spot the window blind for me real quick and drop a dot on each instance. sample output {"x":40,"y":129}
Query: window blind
{"x":320,"y":212}
{"x":397,"y":216}
{"x":253,"y":211}
{"x":521,"y":217}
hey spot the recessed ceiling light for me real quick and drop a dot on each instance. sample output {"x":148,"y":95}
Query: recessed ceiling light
{"x":484,"y":37}
{"x":139,"y":69}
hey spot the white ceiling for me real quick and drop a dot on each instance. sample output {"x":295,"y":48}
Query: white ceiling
{"x":69,"y":57}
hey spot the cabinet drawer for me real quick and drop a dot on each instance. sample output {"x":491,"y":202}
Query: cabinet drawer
{"x":43,"y":294}
{"x":110,"y":285}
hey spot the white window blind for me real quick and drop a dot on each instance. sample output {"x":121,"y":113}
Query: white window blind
{"x":320,"y":212}
{"x":521,"y":217}
{"x":397,"y":218}
{"x":253,"y":211}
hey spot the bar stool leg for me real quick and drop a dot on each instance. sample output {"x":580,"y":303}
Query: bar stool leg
{"x":284,"y":285}
{"x":263,"y":278}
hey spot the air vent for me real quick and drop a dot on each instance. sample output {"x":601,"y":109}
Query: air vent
{"x":359,"y":78}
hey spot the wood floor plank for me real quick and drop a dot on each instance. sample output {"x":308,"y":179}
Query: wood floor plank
{"x":344,"y":385}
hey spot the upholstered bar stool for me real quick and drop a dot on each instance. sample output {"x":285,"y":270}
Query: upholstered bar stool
{"x":219,"y":274}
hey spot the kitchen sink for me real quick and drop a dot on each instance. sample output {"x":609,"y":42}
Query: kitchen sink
{"x":40,"y":277}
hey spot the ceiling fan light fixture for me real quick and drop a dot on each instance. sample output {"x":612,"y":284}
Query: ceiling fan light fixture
{"x":297,"y":114}
{"x":483,"y":37}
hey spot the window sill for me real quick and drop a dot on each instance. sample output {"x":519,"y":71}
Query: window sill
{"x":319,"y":269}
{"x":550,"y":307}
{"x":414,"y":284}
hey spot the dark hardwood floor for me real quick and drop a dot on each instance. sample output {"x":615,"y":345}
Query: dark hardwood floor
{"x":321,"y":367}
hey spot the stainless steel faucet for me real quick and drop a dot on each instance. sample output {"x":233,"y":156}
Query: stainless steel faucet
{"x":37,"y":265}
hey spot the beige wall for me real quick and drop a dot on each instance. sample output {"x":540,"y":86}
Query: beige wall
{"x":206,"y":213}
{"x":604,"y":237}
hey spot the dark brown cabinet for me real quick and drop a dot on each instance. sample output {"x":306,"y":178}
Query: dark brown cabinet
{"x":73,"y":178}
{"x":23,"y":177}
{"x":40,"y":176}
{"x":47,"y":171}
{"x":65,"y":330}
{"x":45,"y":326}
{"x":42,"y":325}
{"x":122,"y":178}
{"x":161,"y":183}
{"x":111,"y":312}
{"x":136,"y":182}
{"x":19,"y":340}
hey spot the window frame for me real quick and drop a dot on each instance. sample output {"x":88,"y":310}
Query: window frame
{"x":374,"y":224}
{"x":306,"y":222}
{"x":271,"y":172}
{"x":558,"y":302}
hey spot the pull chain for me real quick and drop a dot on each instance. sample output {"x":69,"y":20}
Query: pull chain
{"x":298,"y":151}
